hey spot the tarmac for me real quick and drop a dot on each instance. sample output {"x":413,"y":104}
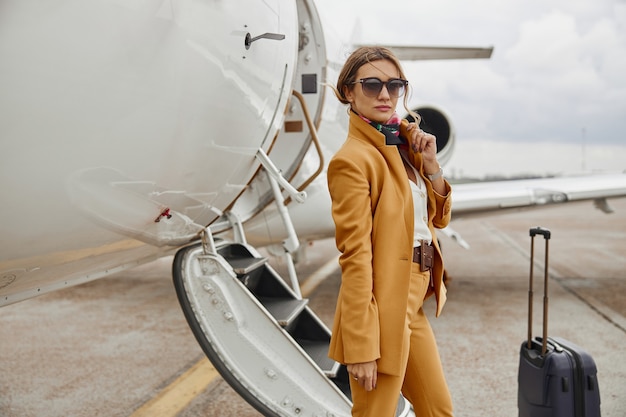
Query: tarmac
{"x":120,"y":346}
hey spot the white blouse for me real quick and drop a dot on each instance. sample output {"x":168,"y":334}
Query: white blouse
{"x":420,"y":210}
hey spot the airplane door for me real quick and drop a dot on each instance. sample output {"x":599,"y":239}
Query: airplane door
{"x":256,"y":65}
{"x":245,"y":62}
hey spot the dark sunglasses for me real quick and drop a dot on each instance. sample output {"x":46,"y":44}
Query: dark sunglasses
{"x":372,"y":86}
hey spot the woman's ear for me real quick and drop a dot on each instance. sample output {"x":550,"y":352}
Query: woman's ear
{"x":347,"y":93}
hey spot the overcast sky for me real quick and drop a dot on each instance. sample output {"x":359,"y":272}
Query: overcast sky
{"x":555,"y":86}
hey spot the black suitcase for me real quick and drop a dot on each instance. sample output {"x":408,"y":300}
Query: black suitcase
{"x":556,"y":378}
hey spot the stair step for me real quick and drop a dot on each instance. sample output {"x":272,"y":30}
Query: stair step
{"x":243,"y":266}
{"x":284,"y":310}
{"x":318,"y":351}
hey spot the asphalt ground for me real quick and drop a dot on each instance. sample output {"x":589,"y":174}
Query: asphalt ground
{"x":120,"y":346}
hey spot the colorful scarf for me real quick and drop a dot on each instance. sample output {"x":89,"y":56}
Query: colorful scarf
{"x":391,"y":129}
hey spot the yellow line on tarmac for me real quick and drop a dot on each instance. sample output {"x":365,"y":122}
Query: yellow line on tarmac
{"x":177,"y":396}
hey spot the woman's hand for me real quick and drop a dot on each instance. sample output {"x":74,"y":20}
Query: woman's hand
{"x":423,"y":142}
{"x":426,"y":143}
{"x":366,"y":374}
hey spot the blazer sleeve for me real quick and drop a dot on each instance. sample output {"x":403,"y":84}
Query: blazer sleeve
{"x":443,"y":207}
{"x":357,"y":311}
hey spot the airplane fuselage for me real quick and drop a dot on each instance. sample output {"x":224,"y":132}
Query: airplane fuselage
{"x":117,"y":115}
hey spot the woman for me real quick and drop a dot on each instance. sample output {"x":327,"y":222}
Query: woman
{"x":388,"y":196}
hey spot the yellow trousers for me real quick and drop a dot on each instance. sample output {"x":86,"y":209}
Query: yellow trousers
{"x":423,"y":383}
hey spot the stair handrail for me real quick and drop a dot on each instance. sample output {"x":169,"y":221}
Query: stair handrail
{"x":292,"y":243}
{"x":208,"y":243}
{"x":314,"y":139}
{"x":276,"y":174}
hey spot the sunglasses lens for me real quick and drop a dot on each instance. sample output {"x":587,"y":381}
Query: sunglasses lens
{"x":372,"y":86}
{"x":395,"y":87}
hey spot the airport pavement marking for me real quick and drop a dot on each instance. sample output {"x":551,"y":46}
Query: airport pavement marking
{"x":177,"y":396}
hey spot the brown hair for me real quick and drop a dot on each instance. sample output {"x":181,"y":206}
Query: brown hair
{"x":356,"y":60}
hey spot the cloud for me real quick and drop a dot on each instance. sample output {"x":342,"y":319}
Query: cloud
{"x":558,"y":65}
{"x":564,"y":75}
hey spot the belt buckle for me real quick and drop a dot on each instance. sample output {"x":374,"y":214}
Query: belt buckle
{"x":426,"y":256}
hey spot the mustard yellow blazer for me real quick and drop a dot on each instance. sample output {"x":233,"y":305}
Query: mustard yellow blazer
{"x":372,"y":207}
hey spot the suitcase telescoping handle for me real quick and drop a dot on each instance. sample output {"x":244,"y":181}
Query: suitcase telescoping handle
{"x":546,"y":236}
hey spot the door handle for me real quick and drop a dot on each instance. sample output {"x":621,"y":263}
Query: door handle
{"x":272,"y":36}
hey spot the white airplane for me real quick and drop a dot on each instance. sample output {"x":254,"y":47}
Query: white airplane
{"x":135,"y":130}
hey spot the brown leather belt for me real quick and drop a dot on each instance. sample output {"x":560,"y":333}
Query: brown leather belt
{"x":424,"y":255}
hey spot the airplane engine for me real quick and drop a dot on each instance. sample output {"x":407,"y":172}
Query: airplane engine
{"x":436,"y":122}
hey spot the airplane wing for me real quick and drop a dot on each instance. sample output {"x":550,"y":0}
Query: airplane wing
{"x":496,"y":197}
{"x":421,"y":53}
{"x":483,"y":198}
